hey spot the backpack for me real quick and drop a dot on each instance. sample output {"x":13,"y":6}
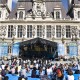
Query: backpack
{"x":59,"y":73}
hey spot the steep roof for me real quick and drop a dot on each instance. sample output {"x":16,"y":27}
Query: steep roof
{"x":52,"y":5}
{"x":76,"y":1}
{"x":27,"y":5}
{"x":3,"y":1}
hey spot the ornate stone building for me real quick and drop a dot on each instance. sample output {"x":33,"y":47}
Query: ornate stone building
{"x":46,"y":19}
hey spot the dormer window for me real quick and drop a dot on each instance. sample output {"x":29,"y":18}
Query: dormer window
{"x":21,"y":15}
{"x":78,"y":14}
{"x":57,"y":15}
{"x":0,"y":14}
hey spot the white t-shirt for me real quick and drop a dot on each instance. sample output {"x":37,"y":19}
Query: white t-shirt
{"x":70,"y":77}
{"x":0,"y":76}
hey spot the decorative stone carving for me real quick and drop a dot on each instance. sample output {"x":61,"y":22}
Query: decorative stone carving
{"x":14,"y":30}
{"x":63,"y":31}
{"x":39,"y":9}
{"x":3,"y":30}
{"x":33,"y":30}
{"x":43,"y":30}
{"x":53,"y":31}
{"x":74,"y":32}
{"x":24,"y":30}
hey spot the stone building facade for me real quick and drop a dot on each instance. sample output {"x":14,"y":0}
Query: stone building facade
{"x":46,"y":19}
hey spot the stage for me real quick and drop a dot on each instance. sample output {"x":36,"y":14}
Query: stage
{"x":38,"y":48}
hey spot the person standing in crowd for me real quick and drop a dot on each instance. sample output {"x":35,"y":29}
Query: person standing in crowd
{"x":23,"y":72}
{"x":70,"y":75}
{"x":0,"y":76}
{"x":59,"y":74}
{"x":14,"y":62}
{"x":41,"y":72}
{"x":13,"y":70}
{"x":33,"y":75}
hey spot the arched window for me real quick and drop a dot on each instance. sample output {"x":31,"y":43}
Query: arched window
{"x":21,"y":15}
{"x":0,"y":14}
{"x":78,"y":14}
{"x":57,"y":15}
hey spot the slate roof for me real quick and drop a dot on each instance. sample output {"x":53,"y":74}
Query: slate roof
{"x":3,"y":1}
{"x":76,"y":1}
{"x":27,"y":5}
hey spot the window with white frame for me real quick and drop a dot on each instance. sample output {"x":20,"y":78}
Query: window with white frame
{"x":78,"y":14}
{"x":39,"y":30}
{"x":10,"y":31}
{"x":57,"y":14}
{"x":0,"y":14}
{"x":68,"y":32}
{"x":20,"y":27}
{"x":21,"y":15}
{"x":58,"y":31}
{"x":29,"y":31}
{"x":48,"y":31}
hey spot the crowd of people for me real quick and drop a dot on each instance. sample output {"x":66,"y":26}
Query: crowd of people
{"x":39,"y":68}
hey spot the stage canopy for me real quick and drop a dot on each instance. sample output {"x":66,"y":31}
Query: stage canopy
{"x":38,"y":41}
{"x":38,"y":48}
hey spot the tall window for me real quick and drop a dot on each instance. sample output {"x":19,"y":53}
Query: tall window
{"x":57,"y":15}
{"x":49,"y":31}
{"x":29,"y":31}
{"x":39,"y":30}
{"x":21,"y":15}
{"x":68,"y":32}
{"x":58,"y":31}
{"x":78,"y":14}
{"x":10,"y":31}
{"x":20,"y":31}
{"x":0,"y":14}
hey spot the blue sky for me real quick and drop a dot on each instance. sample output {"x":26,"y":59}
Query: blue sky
{"x":65,"y":2}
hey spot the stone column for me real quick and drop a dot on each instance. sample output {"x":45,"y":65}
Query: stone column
{"x":53,"y":32}
{"x":14,"y":33}
{"x":63,"y":34}
{"x":43,"y":32}
{"x":33,"y":31}
{"x":23,"y":32}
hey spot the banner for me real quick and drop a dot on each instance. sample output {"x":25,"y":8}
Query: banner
{"x":3,"y":49}
{"x":15,"y":49}
{"x":79,"y":48}
{"x":73,"y":49}
{"x":0,"y":49}
{"x":61,"y":49}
